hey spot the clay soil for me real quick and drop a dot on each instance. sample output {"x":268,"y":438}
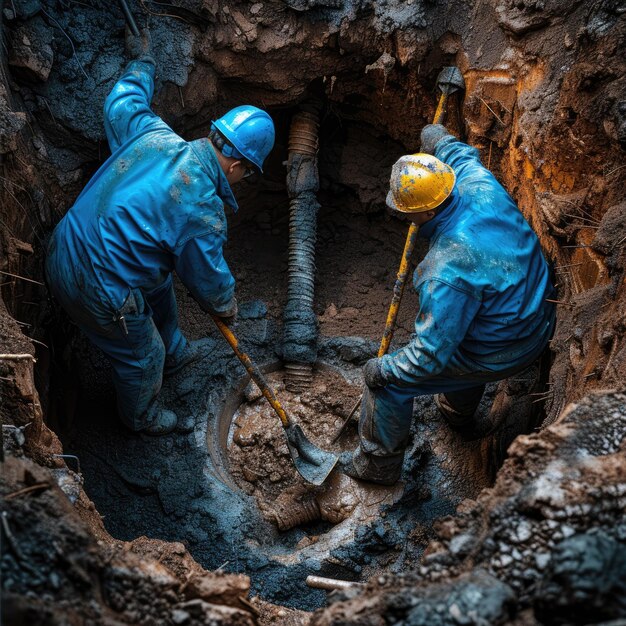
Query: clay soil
{"x":356,"y":260}
{"x":258,"y":455}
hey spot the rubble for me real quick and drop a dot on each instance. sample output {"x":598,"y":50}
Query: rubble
{"x":540,"y":540}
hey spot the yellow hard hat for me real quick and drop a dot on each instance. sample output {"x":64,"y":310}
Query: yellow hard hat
{"x":419,"y":182}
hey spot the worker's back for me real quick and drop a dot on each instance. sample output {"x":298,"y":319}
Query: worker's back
{"x":157,"y":204}
{"x":482,"y":245}
{"x":143,"y":204}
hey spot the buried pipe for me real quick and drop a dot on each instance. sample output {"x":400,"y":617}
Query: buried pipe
{"x":290,"y":513}
{"x":300,"y":324}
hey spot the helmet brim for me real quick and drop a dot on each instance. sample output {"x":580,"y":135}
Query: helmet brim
{"x":391,"y":202}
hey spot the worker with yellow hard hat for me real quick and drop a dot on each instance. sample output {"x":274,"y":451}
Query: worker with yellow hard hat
{"x":484,"y":312}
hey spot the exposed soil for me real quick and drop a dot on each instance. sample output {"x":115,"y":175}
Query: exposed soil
{"x":545,"y":545}
{"x":541,"y":541}
{"x":357,"y":259}
{"x":258,"y":455}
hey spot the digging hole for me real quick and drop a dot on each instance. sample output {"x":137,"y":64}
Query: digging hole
{"x":201,"y":487}
{"x":260,"y":462}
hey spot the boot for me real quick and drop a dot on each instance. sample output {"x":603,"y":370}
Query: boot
{"x":382,"y":470}
{"x":469,"y":425}
{"x":194,"y":351}
{"x":164,"y":423}
{"x":454,"y":417}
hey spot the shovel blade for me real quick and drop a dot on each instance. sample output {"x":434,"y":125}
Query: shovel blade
{"x":450,"y":80}
{"x":312,"y":463}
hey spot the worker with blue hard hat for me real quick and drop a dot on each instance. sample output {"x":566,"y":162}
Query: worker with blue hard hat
{"x":154,"y":207}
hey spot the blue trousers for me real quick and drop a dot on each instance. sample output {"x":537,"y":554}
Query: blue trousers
{"x":387,"y":412}
{"x":136,"y":348}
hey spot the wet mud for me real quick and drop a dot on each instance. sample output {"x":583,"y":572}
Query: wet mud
{"x":257,"y":452}
{"x":544,"y":104}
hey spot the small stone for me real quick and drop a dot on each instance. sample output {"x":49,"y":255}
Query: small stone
{"x":55,"y":581}
{"x":455,"y":612}
{"x":506,"y":559}
{"x":523,"y":532}
{"x":542,"y":560}
{"x":256,"y":7}
{"x":252,"y":392}
{"x":274,"y":477}
{"x":180,"y":617}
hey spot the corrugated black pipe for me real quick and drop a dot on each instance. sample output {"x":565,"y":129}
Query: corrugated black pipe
{"x":300,"y":323}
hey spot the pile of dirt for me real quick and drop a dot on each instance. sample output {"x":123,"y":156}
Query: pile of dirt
{"x":55,"y":571}
{"x":545,"y":545}
{"x":259,"y":459}
{"x":260,"y":462}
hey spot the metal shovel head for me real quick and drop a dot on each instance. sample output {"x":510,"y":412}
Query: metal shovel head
{"x":450,"y":80}
{"x":313,"y":463}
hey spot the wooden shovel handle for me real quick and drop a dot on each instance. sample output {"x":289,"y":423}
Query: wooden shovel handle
{"x":253,"y":370}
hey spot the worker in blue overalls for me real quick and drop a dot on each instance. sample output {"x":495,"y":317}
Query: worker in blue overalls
{"x":484,"y":302}
{"x":154,"y":207}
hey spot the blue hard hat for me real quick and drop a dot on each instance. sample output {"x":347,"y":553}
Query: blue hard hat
{"x":250,"y":130}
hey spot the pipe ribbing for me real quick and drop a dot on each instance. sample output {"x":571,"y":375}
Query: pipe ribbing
{"x":300,"y":324}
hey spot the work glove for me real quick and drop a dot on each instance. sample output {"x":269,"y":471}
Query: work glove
{"x":430,"y":136}
{"x":139,"y":48}
{"x":229,"y":317}
{"x":373,"y":375}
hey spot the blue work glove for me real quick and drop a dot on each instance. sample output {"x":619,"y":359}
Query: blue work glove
{"x":373,"y":374}
{"x":430,"y":136}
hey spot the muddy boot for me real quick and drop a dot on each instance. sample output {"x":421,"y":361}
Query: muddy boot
{"x":463,"y":420}
{"x":164,"y":423}
{"x":382,"y":470}
{"x":194,"y":351}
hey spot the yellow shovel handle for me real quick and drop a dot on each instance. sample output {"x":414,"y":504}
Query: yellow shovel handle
{"x":398,"y":289}
{"x":403,"y":270}
{"x":252,"y":369}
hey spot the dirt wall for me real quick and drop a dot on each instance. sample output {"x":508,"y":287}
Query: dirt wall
{"x":544,"y":103}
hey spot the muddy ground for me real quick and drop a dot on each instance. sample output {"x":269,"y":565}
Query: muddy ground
{"x":541,"y":541}
{"x":257,"y":452}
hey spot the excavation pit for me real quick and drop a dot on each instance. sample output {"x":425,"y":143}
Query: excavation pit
{"x":260,"y":463}
{"x":545,"y":107}
{"x":199,"y":487}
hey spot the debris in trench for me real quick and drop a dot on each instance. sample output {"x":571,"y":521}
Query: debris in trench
{"x":330,"y":584}
{"x":260,"y":465}
{"x":259,"y":457}
{"x":312,"y":463}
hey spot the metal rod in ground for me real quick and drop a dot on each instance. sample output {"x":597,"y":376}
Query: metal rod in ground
{"x":129,"y":18}
{"x":330,"y":584}
{"x":348,"y":419}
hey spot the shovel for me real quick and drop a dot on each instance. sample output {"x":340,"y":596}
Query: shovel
{"x":449,"y":80}
{"x":313,"y":463}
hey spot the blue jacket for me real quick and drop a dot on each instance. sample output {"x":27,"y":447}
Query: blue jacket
{"x":482,"y":285}
{"x":155,"y":206}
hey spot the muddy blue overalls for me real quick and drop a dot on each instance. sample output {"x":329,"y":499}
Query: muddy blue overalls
{"x":154,"y":207}
{"x":483,"y":311}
